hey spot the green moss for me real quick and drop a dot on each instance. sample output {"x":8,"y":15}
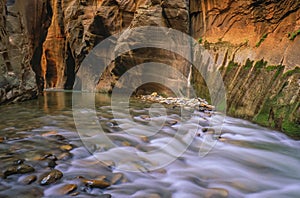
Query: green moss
{"x":262,"y":118}
{"x":291,"y":72}
{"x":248,"y":64}
{"x":200,"y":40}
{"x":231,"y":65}
{"x":291,"y":129}
{"x":279,"y":116}
{"x":279,"y":71}
{"x":272,"y":68}
{"x":260,"y":64}
{"x":264,"y":36}
{"x":293,"y":35}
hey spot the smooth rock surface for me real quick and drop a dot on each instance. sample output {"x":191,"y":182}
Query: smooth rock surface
{"x":51,"y":177}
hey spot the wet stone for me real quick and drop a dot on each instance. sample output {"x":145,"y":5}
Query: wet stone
{"x":125,"y":143}
{"x":29,"y":179}
{"x":172,"y":122}
{"x":49,"y":133}
{"x":2,"y":139}
{"x":116,"y":178}
{"x":57,"y":137}
{"x":49,"y":156}
{"x":96,"y":183}
{"x":145,"y":117}
{"x":66,"y":189}
{"x":23,"y":192}
{"x":216,"y":193}
{"x":67,"y":147}
{"x":105,"y":196}
{"x":74,"y":193}
{"x":17,"y":169}
{"x":152,"y":195}
{"x":50,"y":163}
{"x":18,"y":161}
{"x":144,"y":138}
{"x":50,"y":177}
{"x":204,"y":129}
{"x":64,"y":156}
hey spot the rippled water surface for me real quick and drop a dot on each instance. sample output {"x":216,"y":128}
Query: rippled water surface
{"x":246,"y":161}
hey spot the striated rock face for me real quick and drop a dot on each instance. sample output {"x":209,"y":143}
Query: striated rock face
{"x":21,"y":31}
{"x":255,"y":45}
{"x":249,"y":29}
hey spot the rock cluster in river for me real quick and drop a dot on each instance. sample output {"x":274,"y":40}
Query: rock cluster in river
{"x":42,"y":171}
{"x":196,"y":103}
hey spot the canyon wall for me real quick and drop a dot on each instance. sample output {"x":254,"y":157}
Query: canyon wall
{"x":23,"y":24}
{"x":255,"y":45}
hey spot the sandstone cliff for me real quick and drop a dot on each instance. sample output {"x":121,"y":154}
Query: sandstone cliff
{"x":255,"y":45}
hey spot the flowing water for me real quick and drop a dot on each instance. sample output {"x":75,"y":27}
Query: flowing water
{"x":246,"y":161}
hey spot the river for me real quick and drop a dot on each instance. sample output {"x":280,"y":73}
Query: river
{"x":247,"y":160}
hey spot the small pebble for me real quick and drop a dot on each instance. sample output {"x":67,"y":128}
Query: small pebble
{"x":49,"y":133}
{"x":96,"y":183}
{"x":49,"y":156}
{"x":216,"y":192}
{"x":66,"y":189}
{"x":64,"y":156}
{"x":67,"y":147}
{"x":144,"y":138}
{"x":116,"y":178}
{"x":18,"y":161}
{"x":125,"y":143}
{"x":172,"y":122}
{"x":74,"y":194}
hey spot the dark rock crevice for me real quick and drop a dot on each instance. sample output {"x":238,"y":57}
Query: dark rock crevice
{"x":47,"y":14}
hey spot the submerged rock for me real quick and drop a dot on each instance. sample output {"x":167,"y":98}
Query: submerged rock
{"x":29,"y":179}
{"x":105,"y":196}
{"x":117,"y":178}
{"x":67,"y":147}
{"x":51,"y":177}
{"x":17,"y":169}
{"x":66,"y":189}
{"x":216,"y":192}
{"x":96,"y":183}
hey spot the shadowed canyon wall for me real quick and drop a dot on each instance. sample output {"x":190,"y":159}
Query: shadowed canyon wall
{"x":255,"y":45}
{"x":23,"y":27}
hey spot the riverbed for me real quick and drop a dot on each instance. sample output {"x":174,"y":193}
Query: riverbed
{"x":245,"y":160}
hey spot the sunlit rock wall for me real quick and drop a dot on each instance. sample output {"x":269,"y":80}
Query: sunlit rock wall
{"x":256,"y":46}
